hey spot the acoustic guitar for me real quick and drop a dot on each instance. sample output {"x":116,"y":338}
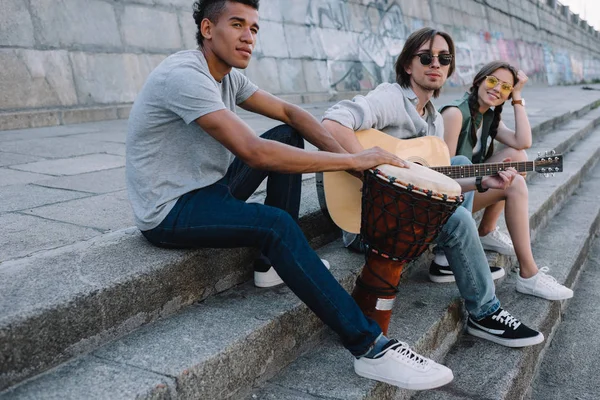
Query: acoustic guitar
{"x":341,"y":192}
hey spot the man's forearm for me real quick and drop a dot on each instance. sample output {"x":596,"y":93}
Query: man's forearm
{"x":310,"y":128}
{"x":344,"y":136}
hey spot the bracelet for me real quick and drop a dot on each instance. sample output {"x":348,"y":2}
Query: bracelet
{"x":480,"y":188}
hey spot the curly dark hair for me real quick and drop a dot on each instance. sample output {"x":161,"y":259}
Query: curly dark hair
{"x":212,"y":10}
{"x":414,"y":41}
{"x":486,"y":70}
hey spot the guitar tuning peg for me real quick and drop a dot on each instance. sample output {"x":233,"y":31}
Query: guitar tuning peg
{"x":552,"y":152}
{"x":546,"y":154}
{"x":539,"y":153}
{"x":546,"y":175}
{"x":543,"y":170}
{"x":556,"y":159}
{"x":557,"y":169}
{"x":553,"y":174}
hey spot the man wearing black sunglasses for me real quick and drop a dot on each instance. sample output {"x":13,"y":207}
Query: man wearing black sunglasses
{"x":404,"y":110}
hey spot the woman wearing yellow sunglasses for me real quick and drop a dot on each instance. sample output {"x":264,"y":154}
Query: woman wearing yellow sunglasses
{"x":471,"y":124}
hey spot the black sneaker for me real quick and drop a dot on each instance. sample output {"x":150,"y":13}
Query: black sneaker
{"x":440,"y":274}
{"x":504,"y":329}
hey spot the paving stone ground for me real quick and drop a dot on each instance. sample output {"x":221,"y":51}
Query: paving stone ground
{"x":64,"y":184}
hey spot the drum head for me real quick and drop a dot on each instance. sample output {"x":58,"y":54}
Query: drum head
{"x":422,"y":178}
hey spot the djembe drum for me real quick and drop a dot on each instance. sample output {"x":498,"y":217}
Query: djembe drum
{"x":403,"y":211}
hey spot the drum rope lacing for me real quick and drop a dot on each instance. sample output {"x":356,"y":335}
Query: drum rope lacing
{"x":399,"y":221}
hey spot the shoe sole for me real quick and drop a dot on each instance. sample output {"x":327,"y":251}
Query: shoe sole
{"x":552,"y":298}
{"x":498,"y":250}
{"x":261,"y":282}
{"x":450,"y":278}
{"x":407,"y":385}
{"x":532,"y":341}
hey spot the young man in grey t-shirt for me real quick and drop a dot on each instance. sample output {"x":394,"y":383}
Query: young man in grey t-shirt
{"x":192,"y":163}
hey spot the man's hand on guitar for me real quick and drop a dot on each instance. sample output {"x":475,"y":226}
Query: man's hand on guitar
{"x":500,"y":181}
{"x":376,"y":156}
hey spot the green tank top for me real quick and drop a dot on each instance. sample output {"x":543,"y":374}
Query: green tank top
{"x":465,"y":144}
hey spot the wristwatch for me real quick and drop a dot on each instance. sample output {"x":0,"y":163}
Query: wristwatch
{"x":480,"y":188}
{"x":521,"y":102}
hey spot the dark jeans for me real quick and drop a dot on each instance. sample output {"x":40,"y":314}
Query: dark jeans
{"x":217,"y":216}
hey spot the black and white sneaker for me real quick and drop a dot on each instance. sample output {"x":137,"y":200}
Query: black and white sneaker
{"x":443,"y":274}
{"x":504,"y":329}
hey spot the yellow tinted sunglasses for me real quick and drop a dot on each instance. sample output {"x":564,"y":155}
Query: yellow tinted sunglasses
{"x":491,"y":82}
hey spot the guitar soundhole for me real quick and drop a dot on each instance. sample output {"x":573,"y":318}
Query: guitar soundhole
{"x":418,"y":160}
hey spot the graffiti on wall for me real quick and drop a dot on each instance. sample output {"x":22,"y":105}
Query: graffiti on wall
{"x":377,"y":32}
{"x":361,"y":41}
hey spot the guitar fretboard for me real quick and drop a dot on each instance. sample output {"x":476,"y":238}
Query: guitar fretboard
{"x":469,"y":171}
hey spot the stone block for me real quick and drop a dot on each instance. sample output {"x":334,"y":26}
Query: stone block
{"x":298,"y":11}
{"x":186,"y":5}
{"x":188,"y":30}
{"x":78,"y":116}
{"x":315,"y":73}
{"x":68,"y":23}
{"x":32,"y":78}
{"x":150,"y":29}
{"x":272,"y":38}
{"x":22,"y":120}
{"x":339,"y":45}
{"x":9,"y":177}
{"x":264,"y":72}
{"x":417,"y":9}
{"x":21,"y":235}
{"x":270,"y":10}
{"x":106,"y":181}
{"x":7,"y":159}
{"x":60,"y":147}
{"x":74,"y":166}
{"x":309,"y":47}
{"x":111,"y":78}
{"x":291,"y":76}
{"x":24,"y":197}
{"x":16,"y":28}
{"x":109,"y":211}
{"x":91,"y":377}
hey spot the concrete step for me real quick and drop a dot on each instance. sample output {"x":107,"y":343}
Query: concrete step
{"x":61,"y":303}
{"x":571,"y":348}
{"x":431,"y":322}
{"x":484,"y":370}
{"x":232,"y":341}
{"x":92,"y":292}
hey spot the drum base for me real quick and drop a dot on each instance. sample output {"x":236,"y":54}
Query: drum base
{"x":374,"y":297}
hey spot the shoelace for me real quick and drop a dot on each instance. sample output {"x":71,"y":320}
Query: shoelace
{"x":500,"y":236}
{"x":547,"y":279}
{"x":402,"y":351}
{"x":505,"y":318}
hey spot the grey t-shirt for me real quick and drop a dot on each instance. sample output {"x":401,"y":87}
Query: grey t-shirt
{"x":167,"y":153}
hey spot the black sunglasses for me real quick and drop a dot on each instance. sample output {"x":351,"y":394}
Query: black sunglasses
{"x":427,"y":58}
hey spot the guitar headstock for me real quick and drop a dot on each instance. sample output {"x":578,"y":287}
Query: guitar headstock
{"x":549,"y":163}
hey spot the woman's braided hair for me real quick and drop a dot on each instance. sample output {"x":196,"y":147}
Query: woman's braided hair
{"x":487,"y":70}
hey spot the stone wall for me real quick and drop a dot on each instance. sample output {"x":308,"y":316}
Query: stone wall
{"x":65,"y":61}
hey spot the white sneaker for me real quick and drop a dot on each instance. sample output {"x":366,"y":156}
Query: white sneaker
{"x":499,"y":242}
{"x":544,"y":286}
{"x":398,"y":365}
{"x":271,"y":278}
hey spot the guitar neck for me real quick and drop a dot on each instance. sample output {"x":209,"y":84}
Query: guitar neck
{"x":473,"y":170}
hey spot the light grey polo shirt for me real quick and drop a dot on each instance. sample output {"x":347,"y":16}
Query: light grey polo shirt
{"x":389,"y":108}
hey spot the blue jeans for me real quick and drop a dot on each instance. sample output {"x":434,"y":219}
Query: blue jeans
{"x":218,"y":216}
{"x":459,"y":240}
